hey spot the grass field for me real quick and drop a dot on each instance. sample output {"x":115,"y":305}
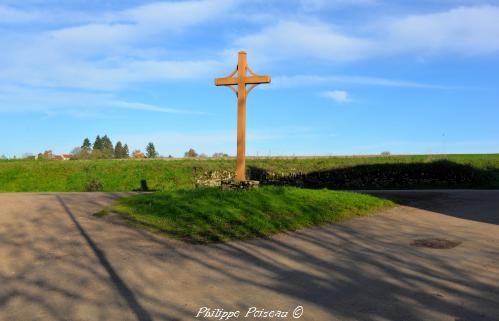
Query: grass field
{"x":206,"y":215}
{"x":479,"y":171}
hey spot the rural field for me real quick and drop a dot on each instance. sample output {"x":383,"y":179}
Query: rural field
{"x":383,"y":172}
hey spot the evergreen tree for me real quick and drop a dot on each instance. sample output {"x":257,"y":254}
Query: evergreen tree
{"x":151,"y":151}
{"x":86,"y":145}
{"x":107,"y":148}
{"x":126,"y":151}
{"x":118,"y":151}
{"x":98,"y":143}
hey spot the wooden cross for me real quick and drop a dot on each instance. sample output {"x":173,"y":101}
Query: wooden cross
{"x":241,"y":80}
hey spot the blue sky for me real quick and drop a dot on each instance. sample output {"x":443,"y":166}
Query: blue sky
{"x":348,"y":77}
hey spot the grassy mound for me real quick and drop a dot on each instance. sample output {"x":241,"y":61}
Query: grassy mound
{"x":212,"y":215}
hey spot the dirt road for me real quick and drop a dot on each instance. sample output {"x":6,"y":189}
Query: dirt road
{"x":58,"y":262}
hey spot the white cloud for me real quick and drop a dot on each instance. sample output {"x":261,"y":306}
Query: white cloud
{"x":339,"y":96}
{"x":463,"y":30}
{"x":107,"y":53}
{"x":140,"y":23}
{"x":150,"y":107}
{"x":51,"y":101}
{"x":113,"y":50}
{"x":314,"y":5}
{"x":48,"y":16}
{"x":11,"y":15}
{"x":317,"y":80}
{"x":160,"y":16}
{"x":471,"y":30}
{"x":293,"y":39}
{"x":93,"y":37}
{"x":46,"y":71}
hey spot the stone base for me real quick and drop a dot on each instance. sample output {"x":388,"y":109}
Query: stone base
{"x":233,"y":184}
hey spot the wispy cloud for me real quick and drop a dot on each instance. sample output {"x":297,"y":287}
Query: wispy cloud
{"x":315,"y":80}
{"x":160,"y":16}
{"x":315,"y":5}
{"x":150,"y":107}
{"x":50,"y":101}
{"x":11,"y":15}
{"x":294,"y":39}
{"x":470,"y":30}
{"x":339,"y":96}
{"x":105,"y":77}
{"x":463,"y":30}
{"x":108,"y":52}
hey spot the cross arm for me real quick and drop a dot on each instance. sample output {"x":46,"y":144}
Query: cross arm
{"x":258,"y":80}
{"x":225,"y":81}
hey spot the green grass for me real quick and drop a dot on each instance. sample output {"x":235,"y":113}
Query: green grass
{"x":165,"y":175}
{"x":212,"y":215}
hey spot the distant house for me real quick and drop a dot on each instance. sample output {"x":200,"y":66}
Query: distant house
{"x":62,"y":157}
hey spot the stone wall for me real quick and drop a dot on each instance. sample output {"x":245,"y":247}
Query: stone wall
{"x":437,"y":174}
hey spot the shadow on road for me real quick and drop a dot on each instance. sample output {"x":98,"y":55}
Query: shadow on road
{"x":53,"y":268}
{"x":120,"y":285}
{"x":474,"y":205}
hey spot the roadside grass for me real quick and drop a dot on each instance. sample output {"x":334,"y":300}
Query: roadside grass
{"x":208,"y":215}
{"x":165,"y":175}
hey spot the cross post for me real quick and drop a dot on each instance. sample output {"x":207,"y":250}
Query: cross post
{"x":241,"y":80}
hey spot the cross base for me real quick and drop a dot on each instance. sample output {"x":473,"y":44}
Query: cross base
{"x":242,"y":185}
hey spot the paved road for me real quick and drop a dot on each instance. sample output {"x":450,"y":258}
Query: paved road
{"x":58,"y":262}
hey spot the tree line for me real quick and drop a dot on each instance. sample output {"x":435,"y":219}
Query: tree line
{"x":103,"y":148}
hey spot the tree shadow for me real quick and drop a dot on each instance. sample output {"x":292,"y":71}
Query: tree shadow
{"x":475,"y":205}
{"x":53,"y":268}
{"x":118,"y":282}
{"x":421,"y":175}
